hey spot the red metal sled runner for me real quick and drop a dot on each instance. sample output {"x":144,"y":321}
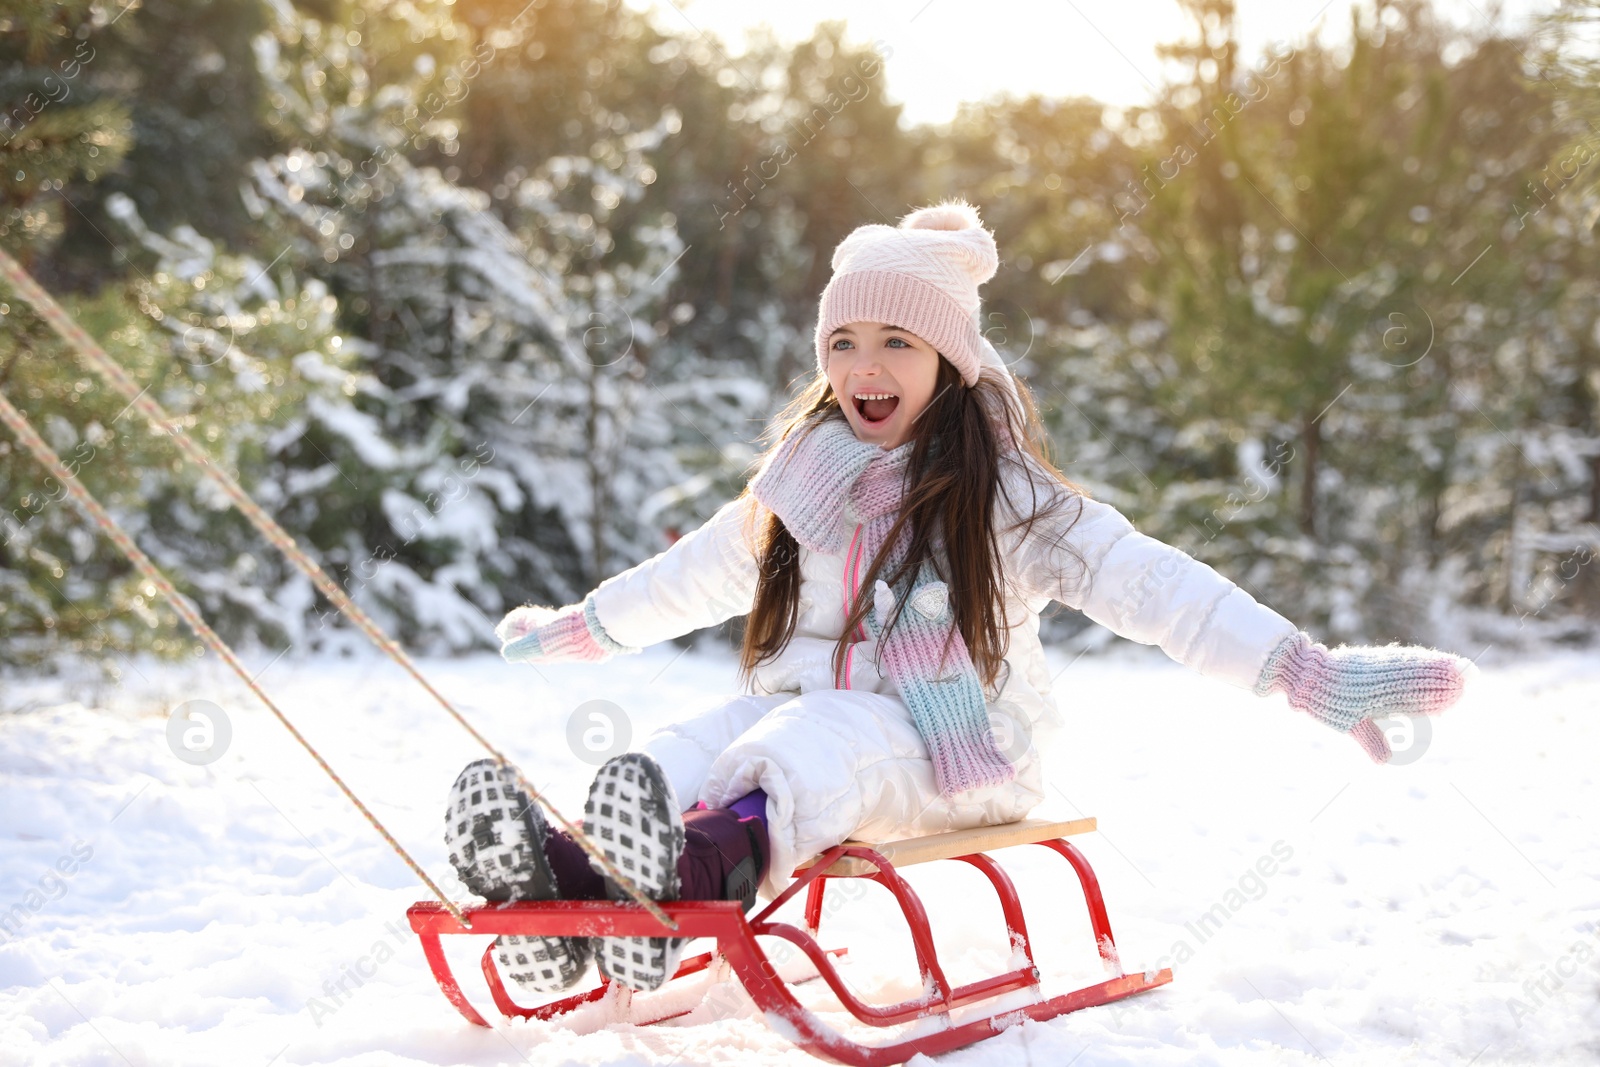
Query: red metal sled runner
{"x":737,"y":949}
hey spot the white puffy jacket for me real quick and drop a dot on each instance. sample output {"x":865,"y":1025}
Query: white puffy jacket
{"x":836,"y":764}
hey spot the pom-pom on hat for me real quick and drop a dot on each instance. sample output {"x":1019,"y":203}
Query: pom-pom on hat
{"x":922,"y":276}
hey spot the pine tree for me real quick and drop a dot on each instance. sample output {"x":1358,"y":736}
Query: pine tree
{"x":53,"y":133}
{"x":56,"y":589}
{"x":509,"y":438}
{"x":1310,"y":242}
{"x":227,"y":347}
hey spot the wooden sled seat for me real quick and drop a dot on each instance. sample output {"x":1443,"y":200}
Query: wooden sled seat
{"x":946,"y":846}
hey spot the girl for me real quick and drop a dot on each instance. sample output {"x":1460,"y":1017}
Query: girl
{"x":892,"y":552}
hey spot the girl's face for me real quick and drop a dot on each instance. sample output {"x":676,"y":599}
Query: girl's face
{"x":874,"y":359}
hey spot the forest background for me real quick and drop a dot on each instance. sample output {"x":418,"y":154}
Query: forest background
{"x":486,"y":301}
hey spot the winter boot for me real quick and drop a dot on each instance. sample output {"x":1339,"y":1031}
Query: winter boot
{"x":495,"y":837}
{"x":725,"y":855}
{"x":632,"y":816}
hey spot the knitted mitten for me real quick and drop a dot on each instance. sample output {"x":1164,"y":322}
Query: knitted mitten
{"x":574,"y":632}
{"x":1348,"y":686}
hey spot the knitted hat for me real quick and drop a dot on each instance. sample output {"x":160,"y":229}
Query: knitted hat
{"x":922,"y":276}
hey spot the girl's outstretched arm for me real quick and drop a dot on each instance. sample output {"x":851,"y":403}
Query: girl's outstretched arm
{"x":1150,"y":592}
{"x":706,"y":576}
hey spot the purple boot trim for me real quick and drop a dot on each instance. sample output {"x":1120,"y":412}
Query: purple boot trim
{"x":725,"y":855}
{"x":575,"y":879}
{"x":754,"y":803}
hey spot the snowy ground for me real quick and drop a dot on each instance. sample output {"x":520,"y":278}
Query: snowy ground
{"x":1442,"y":912}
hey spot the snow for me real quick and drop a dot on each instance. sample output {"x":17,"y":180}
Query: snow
{"x":1312,"y":906}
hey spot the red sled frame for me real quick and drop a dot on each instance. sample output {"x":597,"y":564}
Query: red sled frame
{"x":737,"y":948}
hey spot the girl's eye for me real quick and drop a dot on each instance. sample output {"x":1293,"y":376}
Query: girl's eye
{"x":841,"y":341}
{"x":900,"y":341}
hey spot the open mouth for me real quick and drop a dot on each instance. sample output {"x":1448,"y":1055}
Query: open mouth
{"x":876,"y":409}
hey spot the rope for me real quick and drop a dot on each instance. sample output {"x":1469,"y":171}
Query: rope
{"x":47,"y":458}
{"x":115,"y":376}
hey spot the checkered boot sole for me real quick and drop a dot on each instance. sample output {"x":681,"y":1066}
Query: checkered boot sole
{"x":495,"y":838}
{"x":632,"y":817}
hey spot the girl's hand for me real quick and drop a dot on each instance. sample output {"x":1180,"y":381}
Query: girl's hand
{"x":533,"y":633}
{"x":1349,"y":686}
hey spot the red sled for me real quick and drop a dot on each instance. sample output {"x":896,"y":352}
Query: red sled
{"x":738,"y":952}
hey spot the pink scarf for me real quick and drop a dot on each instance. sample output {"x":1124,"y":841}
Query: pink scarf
{"x":822,"y":484}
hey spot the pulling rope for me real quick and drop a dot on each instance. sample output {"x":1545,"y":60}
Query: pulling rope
{"x":47,"y":458}
{"x":120,"y":381}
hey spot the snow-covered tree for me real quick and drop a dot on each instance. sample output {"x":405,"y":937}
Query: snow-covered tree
{"x":528,"y":426}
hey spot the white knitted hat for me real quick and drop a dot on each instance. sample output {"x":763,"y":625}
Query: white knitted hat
{"x":922,"y":276}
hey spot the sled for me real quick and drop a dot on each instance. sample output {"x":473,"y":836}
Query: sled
{"x":737,"y":951}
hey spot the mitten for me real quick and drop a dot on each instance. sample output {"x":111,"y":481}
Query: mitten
{"x":1349,"y":686}
{"x":533,"y":633}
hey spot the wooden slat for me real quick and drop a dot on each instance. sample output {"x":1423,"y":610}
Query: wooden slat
{"x":905,"y":852}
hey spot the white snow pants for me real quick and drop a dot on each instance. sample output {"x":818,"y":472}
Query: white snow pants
{"x":835,"y":764}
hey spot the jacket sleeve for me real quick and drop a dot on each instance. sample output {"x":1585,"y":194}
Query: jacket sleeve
{"x":706,"y":576}
{"x":1147,"y":591}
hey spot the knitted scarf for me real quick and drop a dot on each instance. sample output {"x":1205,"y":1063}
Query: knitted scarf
{"x":822,"y":484}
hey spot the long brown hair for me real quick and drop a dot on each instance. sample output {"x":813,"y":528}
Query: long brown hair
{"x":954,"y":473}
